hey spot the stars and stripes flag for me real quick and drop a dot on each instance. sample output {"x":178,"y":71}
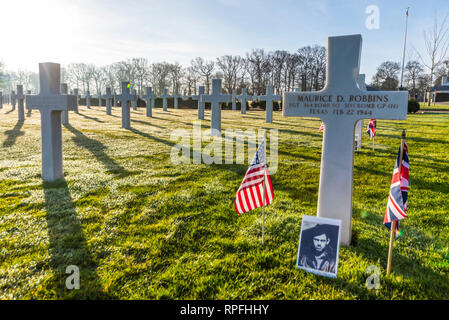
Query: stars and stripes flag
{"x":321,"y":127}
{"x":406,"y":12}
{"x":250,"y":195}
{"x":371,"y":128}
{"x":397,"y":199}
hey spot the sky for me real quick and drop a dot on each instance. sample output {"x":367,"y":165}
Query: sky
{"x":106,"y":31}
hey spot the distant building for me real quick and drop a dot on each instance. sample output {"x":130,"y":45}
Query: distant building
{"x":441,"y":92}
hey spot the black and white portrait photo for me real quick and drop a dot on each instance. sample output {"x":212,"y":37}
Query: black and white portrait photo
{"x":319,"y":243}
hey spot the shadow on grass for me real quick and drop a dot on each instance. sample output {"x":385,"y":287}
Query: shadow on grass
{"x":149,"y":136}
{"x":10,"y":111}
{"x":90,"y":118}
{"x":147,"y":123}
{"x":13,"y":134}
{"x":97,"y":149}
{"x":68,"y":246}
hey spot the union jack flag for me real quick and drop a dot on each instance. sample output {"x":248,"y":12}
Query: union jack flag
{"x":371,"y":128}
{"x":397,"y":199}
{"x":250,"y":194}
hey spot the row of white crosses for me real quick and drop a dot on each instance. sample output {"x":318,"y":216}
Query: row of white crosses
{"x":340,"y":105}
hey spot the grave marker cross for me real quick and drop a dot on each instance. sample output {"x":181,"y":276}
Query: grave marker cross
{"x":269,"y":98}
{"x":149,"y":97}
{"x":164,"y":97}
{"x":339,"y":105}
{"x":108,"y":97}
{"x":20,"y":99}
{"x":65,"y":113}
{"x":51,"y":103}
{"x":125,"y":97}
{"x":215,"y":99}
{"x":243,"y":97}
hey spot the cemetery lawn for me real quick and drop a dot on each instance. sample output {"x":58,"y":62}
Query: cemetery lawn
{"x":439,"y":107}
{"x":139,"y":227}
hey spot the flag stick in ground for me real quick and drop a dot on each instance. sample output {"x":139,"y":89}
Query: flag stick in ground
{"x":263,"y":210}
{"x":394,"y":222}
{"x":263,"y":197}
{"x":373,"y":142}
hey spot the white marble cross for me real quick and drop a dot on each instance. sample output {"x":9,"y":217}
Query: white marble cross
{"x":88,"y":99}
{"x":215,"y":99}
{"x":65,"y":113}
{"x":269,"y":98}
{"x":164,"y":97}
{"x":243,"y":97}
{"x":13,"y":99}
{"x":233,"y":97}
{"x":125,"y":97}
{"x":134,"y":99}
{"x":200,"y":103}
{"x":115,"y":99}
{"x":108,"y":97}
{"x":175,"y":100}
{"x":100,"y":101}
{"x":339,"y":105}
{"x":51,"y":103}
{"x":20,"y":99}
{"x":76,"y":94}
{"x":149,"y":97}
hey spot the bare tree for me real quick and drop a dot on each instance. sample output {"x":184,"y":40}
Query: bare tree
{"x":436,"y":40}
{"x":414,"y":70}
{"x":159,"y":76}
{"x":176,"y":74}
{"x":258,"y":66}
{"x":141,"y":72}
{"x":230,"y":67}
{"x":191,"y":80}
{"x":98,"y":77}
{"x":205,"y":69}
{"x":386,"y":77}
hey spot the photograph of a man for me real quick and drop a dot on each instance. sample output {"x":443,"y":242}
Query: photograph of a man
{"x":319,"y":245}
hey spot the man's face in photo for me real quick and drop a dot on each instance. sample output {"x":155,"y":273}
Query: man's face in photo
{"x":320,"y":242}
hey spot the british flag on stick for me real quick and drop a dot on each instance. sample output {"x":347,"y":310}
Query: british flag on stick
{"x":371,"y":128}
{"x":397,"y":199}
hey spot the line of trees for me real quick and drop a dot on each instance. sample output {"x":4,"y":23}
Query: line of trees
{"x":305,"y":68}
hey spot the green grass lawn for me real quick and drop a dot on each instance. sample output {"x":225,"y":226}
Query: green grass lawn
{"x":139,"y":227}
{"x":436,"y":106}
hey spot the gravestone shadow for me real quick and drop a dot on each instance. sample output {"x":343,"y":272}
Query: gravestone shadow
{"x":68,"y":245}
{"x":13,"y":134}
{"x":98,"y":150}
{"x":90,"y":118}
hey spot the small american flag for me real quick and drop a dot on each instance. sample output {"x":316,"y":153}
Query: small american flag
{"x":250,"y":194}
{"x":397,"y":199}
{"x":321,"y":127}
{"x":406,"y":12}
{"x":371,"y":128}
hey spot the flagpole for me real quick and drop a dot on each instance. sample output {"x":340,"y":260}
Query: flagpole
{"x":374,"y":137}
{"x":263,"y":196}
{"x":394,"y":222}
{"x":405,"y":44}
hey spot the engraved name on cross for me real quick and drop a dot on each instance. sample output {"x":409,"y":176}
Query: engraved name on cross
{"x":340,"y":104}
